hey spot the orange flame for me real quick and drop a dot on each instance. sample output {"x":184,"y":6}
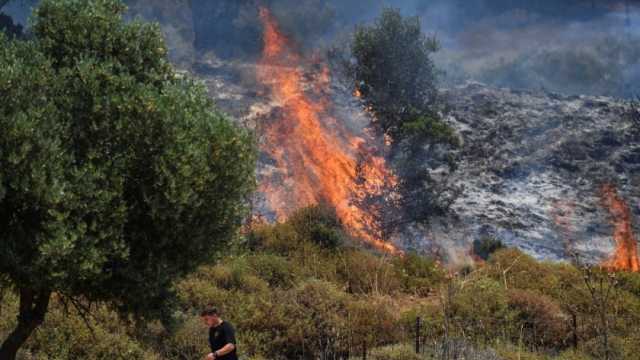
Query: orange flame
{"x":317,"y":156}
{"x":626,"y":254}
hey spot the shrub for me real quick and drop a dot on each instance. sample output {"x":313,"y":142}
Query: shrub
{"x":486,"y":246}
{"x":480,"y":309}
{"x":279,"y":238}
{"x":318,"y":224}
{"x":372,"y":321}
{"x":419,"y":274}
{"x":65,"y":334}
{"x":513,"y":268}
{"x":189,"y":341}
{"x":274,"y":269}
{"x":542,"y":321}
{"x":366,"y":273}
{"x":195,"y":292}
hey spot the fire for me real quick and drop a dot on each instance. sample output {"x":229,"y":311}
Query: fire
{"x":319,"y":158}
{"x":626,"y":254}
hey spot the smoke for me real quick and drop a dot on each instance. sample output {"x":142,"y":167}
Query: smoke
{"x":586,"y":47}
{"x":571,"y":46}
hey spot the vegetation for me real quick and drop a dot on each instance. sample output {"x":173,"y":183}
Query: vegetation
{"x":121,"y":185}
{"x":116,"y":177}
{"x":395,"y":76}
{"x":393,"y":71}
{"x":291,"y":297}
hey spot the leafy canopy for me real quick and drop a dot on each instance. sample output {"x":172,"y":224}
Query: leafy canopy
{"x":393,"y":70}
{"x":116,"y":176}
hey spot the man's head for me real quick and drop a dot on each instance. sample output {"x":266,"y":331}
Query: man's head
{"x":210,"y":316}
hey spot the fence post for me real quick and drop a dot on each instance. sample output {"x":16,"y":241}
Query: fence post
{"x":364,"y":350}
{"x":574,"y":322}
{"x":418,"y":324}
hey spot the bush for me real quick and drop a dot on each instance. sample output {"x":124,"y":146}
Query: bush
{"x":420,"y":275}
{"x":275,"y":270}
{"x":280,"y":239}
{"x":486,"y":246}
{"x":542,"y":322}
{"x":189,"y":341}
{"x":366,"y":273}
{"x":318,"y":224}
{"x":65,"y":334}
{"x":480,"y":309}
{"x":373,"y":321}
{"x":513,"y":268}
{"x":394,"y":72}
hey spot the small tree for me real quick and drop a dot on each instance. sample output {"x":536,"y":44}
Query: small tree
{"x":393,"y":70}
{"x":602,"y":287}
{"x":116,"y":176}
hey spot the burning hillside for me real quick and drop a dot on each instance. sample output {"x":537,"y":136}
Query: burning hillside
{"x":530,"y":166}
{"x":317,"y":157}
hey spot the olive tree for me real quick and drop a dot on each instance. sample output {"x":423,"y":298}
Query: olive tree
{"x":391,"y":66}
{"x":116,"y":175}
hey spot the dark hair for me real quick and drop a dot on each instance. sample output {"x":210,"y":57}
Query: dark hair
{"x":209,"y":310}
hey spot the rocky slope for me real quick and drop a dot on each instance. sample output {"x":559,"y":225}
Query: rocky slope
{"x":532,"y":164}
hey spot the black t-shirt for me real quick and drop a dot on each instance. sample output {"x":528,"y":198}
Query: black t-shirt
{"x":220,"y":336}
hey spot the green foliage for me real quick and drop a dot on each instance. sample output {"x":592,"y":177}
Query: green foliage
{"x":317,"y":302}
{"x":366,"y":273}
{"x":419,"y":274}
{"x":543,"y":322}
{"x":482,"y":309}
{"x":393,"y":70}
{"x":426,"y":128}
{"x":66,"y":334}
{"x":320,"y":224}
{"x":116,"y":177}
{"x":486,"y":246}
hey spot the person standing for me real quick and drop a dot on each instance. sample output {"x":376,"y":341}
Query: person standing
{"x":222,"y":336}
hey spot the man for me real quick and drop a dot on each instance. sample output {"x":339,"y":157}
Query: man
{"x":222,"y":336}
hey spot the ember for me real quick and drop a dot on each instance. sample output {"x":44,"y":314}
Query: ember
{"x":318,"y":157}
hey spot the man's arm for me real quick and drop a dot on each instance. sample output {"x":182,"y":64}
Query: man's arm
{"x":221,"y":352}
{"x":229,"y":338}
{"x":225,"y":350}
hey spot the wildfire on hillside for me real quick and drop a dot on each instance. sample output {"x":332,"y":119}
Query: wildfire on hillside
{"x":321,"y":159}
{"x":625,"y":257}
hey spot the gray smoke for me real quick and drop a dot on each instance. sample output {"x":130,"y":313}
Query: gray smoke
{"x":569,"y":46}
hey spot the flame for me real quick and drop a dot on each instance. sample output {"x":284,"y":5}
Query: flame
{"x":625,"y":257}
{"x":318,"y":157}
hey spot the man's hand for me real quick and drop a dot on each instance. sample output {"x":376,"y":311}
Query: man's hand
{"x":211,"y":356}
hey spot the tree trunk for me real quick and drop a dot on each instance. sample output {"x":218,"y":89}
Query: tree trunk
{"x":33,"y":307}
